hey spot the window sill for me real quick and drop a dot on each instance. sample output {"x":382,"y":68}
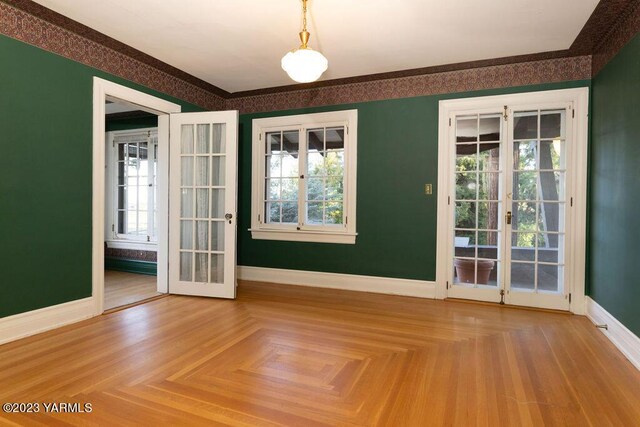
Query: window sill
{"x":131,"y":244}
{"x":304,"y":236}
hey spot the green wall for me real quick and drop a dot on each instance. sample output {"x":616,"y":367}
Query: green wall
{"x":131,"y":123}
{"x":615,"y":182}
{"x":396,"y":221}
{"x":45,"y":184}
{"x":45,"y":176}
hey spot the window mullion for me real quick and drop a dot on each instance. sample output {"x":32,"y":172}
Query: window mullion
{"x":302,"y":169}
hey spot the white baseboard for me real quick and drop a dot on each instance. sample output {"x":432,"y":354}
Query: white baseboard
{"x":626,"y":341}
{"x":36,"y":321}
{"x":350,"y":282}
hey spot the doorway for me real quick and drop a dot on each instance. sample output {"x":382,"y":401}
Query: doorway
{"x":203,"y":188}
{"x":131,"y":232}
{"x":510,"y":182}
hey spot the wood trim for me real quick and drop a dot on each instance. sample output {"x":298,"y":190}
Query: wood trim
{"x":349,"y":282}
{"x":102,"y":89}
{"x":579,"y":98}
{"x":36,"y":321}
{"x":625,"y":340}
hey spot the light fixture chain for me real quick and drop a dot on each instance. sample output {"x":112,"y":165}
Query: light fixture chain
{"x":304,"y":15}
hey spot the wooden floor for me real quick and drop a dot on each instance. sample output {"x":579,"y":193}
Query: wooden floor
{"x":307,"y":357}
{"x":121,"y":288}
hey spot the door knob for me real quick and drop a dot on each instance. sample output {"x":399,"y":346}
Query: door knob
{"x":228,"y":217}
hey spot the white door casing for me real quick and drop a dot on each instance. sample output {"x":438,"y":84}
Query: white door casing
{"x":103,"y":90}
{"x":575,"y":102}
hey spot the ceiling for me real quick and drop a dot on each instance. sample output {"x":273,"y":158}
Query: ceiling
{"x":237,"y":45}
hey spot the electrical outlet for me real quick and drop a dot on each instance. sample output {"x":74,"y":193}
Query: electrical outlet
{"x":428,"y":189}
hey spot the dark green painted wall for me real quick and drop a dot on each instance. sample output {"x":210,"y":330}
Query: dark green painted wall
{"x":396,"y":221}
{"x":615,"y":182}
{"x":129,"y":124}
{"x":131,"y":266}
{"x":45,"y":176}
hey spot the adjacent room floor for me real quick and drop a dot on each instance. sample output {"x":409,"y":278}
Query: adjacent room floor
{"x":282,"y":355}
{"x":121,"y":288}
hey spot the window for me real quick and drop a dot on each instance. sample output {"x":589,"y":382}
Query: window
{"x":132,"y":167}
{"x":304,"y":177}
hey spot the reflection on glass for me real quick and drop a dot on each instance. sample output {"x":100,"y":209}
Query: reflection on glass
{"x":315,"y":139}
{"x":291,"y":143}
{"x":523,"y":276}
{"x":525,"y":125}
{"x":490,"y":128}
{"x":274,"y":142}
{"x":548,"y":276}
{"x":467,"y":129}
{"x":523,"y":247}
{"x":552,"y":124}
{"x":335,"y":138}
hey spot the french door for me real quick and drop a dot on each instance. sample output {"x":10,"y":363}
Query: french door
{"x":508,"y":204}
{"x":202,"y":203}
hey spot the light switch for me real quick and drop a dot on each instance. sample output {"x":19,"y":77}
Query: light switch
{"x":428,"y":189}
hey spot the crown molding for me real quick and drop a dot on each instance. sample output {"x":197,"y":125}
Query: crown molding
{"x":612,"y":24}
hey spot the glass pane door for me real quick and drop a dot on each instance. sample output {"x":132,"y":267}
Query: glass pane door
{"x":202,"y":219}
{"x":478,"y":228}
{"x":538,"y":205}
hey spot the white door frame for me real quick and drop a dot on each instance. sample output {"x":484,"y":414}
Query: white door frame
{"x":103,"y":90}
{"x":579,"y":97}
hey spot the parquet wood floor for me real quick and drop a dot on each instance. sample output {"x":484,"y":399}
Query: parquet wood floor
{"x":295,"y":356}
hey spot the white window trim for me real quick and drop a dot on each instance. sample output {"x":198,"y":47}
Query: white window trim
{"x":112,"y":238}
{"x":345,"y":234}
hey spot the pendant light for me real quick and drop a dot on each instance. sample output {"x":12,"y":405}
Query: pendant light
{"x":304,"y":65}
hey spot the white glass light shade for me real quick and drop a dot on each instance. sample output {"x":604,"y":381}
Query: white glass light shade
{"x":304,"y":65}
